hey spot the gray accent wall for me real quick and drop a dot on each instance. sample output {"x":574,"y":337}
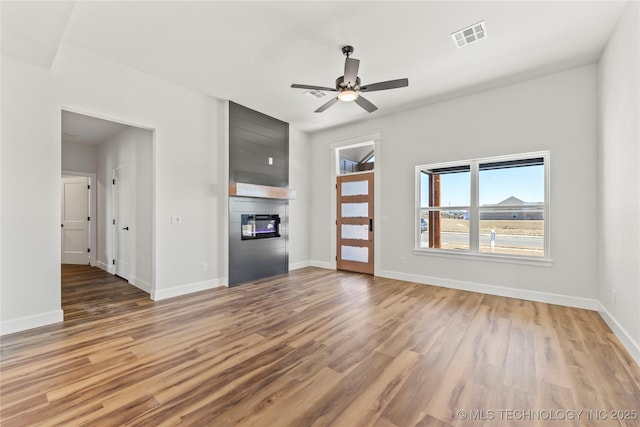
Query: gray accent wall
{"x":253,"y":139}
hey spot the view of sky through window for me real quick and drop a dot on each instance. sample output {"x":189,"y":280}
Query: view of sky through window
{"x":525,"y":183}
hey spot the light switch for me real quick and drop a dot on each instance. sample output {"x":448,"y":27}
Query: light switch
{"x":271,"y":161}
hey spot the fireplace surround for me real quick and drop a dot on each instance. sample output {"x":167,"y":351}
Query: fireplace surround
{"x":259,"y":195}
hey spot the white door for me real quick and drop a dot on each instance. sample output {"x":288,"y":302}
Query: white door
{"x":121,"y":222}
{"x":75,"y":220}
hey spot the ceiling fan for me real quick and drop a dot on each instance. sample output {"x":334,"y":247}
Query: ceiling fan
{"x":349,"y":88}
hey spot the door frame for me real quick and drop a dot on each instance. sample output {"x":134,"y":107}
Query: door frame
{"x":151,"y":287}
{"x":335,"y":147}
{"x":93,"y":205}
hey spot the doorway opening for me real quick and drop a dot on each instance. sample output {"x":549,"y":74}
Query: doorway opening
{"x":114,"y":162}
{"x":355,"y":208}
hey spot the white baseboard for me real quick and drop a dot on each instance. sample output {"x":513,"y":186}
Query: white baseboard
{"x":322,"y":264}
{"x":299,"y":265}
{"x":29,"y":322}
{"x":106,"y":267}
{"x":625,"y":338}
{"x":549,"y":298}
{"x":140,"y":284}
{"x":160,"y":294}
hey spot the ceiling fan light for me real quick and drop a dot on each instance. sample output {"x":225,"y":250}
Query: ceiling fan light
{"x":348,"y":95}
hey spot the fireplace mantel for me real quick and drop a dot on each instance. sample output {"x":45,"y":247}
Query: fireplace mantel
{"x":240,"y":189}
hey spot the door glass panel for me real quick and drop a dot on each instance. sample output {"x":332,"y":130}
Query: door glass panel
{"x":359,"y":232}
{"x":355,"y":188}
{"x":353,"y":210}
{"x":353,"y":253}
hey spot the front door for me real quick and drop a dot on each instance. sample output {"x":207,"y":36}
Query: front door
{"x":355,"y":222}
{"x":75,"y":220}
{"x":122,"y":220}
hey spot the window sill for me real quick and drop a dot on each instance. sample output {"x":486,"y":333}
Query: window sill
{"x":506,"y":259}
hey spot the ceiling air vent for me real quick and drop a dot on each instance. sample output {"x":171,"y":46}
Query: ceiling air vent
{"x":315,"y":93}
{"x":470,"y":34}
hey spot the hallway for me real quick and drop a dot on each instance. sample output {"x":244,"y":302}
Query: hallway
{"x":89,"y":293}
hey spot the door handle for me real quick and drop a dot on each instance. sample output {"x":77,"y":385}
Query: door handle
{"x":370,"y":224}
{"x":126,"y":228}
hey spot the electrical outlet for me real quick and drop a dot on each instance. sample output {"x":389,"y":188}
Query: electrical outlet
{"x":204,"y":266}
{"x":271,"y":161}
{"x":402,"y":260}
{"x":176,"y":219}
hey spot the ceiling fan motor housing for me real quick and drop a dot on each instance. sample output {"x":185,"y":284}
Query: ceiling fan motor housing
{"x":340,"y":84}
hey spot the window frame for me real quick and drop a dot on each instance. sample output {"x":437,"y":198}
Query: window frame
{"x":474,"y":212}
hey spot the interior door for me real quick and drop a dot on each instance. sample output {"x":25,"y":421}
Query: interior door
{"x":121,"y":221}
{"x":355,"y":222}
{"x":75,"y":220}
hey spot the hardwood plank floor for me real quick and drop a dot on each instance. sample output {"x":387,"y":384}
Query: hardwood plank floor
{"x":314,"y":348}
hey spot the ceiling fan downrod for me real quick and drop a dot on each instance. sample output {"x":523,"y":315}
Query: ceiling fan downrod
{"x":347,"y":50}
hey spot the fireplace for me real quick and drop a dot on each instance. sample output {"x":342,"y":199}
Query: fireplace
{"x":259,"y":226}
{"x":259,"y":196}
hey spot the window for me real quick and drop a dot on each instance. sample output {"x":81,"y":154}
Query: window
{"x":358,"y":158}
{"x":494,"y":206}
{"x":445,"y":203}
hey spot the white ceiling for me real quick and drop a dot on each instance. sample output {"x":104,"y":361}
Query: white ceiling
{"x":251,"y":52}
{"x":87,"y":130}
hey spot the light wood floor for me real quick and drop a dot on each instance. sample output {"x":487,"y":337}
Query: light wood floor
{"x":314,"y":347}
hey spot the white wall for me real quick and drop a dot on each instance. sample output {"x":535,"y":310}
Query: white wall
{"x":299,"y":209}
{"x":132,"y":147}
{"x":79,"y":157}
{"x":30,"y":238}
{"x":619,"y":240}
{"x":189,"y":178}
{"x":557,"y":113}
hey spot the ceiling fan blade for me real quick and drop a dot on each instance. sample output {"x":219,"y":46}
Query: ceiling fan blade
{"x":351,"y":71}
{"x":366,"y":104}
{"x":327,"y":105}
{"x":391,"y":84}
{"x":312,"y":87}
